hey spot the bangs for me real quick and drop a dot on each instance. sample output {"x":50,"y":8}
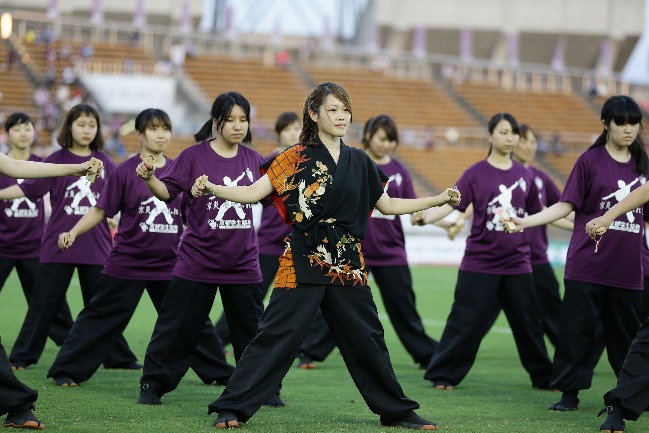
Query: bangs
{"x":156,"y":121}
{"x":630,"y":116}
{"x":152,"y":118}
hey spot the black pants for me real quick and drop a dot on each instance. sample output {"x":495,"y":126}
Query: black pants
{"x":586,"y":309}
{"x":182,"y":319}
{"x":351,"y":315}
{"x":27,"y":270}
{"x":269,"y":266}
{"x":549,"y":298}
{"x":395,"y":285}
{"x":102,"y":321}
{"x":632,"y":390}
{"x":49,"y":292}
{"x":14,"y":395}
{"x":478,"y":300}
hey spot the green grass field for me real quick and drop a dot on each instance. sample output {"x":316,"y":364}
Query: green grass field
{"x":496,"y":396}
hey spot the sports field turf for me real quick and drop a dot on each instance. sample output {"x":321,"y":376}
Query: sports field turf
{"x":495,"y":397}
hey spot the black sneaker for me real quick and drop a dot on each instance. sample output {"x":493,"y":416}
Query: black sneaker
{"x":148,"y":395}
{"x":614,"y":420}
{"x":23,"y":419}
{"x":411,"y":420}
{"x":64,"y":381}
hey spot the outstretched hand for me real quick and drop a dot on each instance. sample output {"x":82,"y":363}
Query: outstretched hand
{"x":597,"y":227}
{"x":92,"y":169}
{"x":453,"y":196}
{"x":202,"y":186}
{"x":145,"y":170}
{"x":418,"y":218}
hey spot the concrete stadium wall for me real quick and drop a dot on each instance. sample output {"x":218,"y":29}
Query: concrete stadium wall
{"x":615,"y":18}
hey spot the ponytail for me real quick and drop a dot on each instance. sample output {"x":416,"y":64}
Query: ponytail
{"x":204,"y":133}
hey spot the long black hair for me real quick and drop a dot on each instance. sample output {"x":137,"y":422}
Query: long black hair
{"x":221,"y":109}
{"x":622,"y":110}
{"x":495,"y":120}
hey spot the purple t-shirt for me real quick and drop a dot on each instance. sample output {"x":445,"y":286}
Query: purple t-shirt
{"x":72,"y":197}
{"x":489,"y":248}
{"x":22,"y":223}
{"x":219,"y":244}
{"x":149,"y":229}
{"x":549,"y":194}
{"x":272,"y":230}
{"x":597,"y":182}
{"x":384,"y":243}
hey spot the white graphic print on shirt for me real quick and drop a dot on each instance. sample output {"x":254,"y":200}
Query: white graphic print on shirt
{"x":623,"y":190}
{"x":159,"y":208}
{"x":220,"y":221}
{"x":16,"y":211}
{"x":502,"y":203}
{"x":83,"y":191}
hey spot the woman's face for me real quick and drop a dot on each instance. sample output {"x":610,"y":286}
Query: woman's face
{"x":333,"y":118}
{"x":503,"y":138}
{"x":290,"y":135}
{"x":156,"y":138}
{"x":235,"y":127}
{"x":84,"y":130}
{"x":622,"y":135}
{"x":525,"y":151}
{"x":380,"y":146}
{"x":21,"y":135}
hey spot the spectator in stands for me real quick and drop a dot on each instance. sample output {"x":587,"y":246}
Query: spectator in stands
{"x":603,"y":285}
{"x":68,"y":75}
{"x":326,"y":189}
{"x":86,"y":52}
{"x":272,"y":230}
{"x":12,"y":58}
{"x":65,"y":52}
{"x":557,"y":147}
{"x":41,"y":96}
{"x":495,"y":273}
{"x":115,"y":147}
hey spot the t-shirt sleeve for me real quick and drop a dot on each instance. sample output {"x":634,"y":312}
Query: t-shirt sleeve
{"x":552,"y":192}
{"x":112,"y":196}
{"x":376,"y":181}
{"x":464,"y":185}
{"x":177,"y":178}
{"x":408,"y":188}
{"x":35,"y":189}
{"x":577,"y":184}
{"x":532,"y":203}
